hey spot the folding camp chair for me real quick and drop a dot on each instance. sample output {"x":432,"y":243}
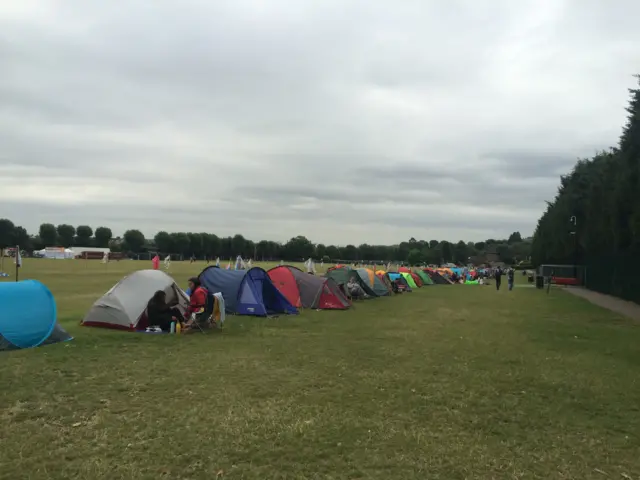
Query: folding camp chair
{"x":217,"y":313}
{"x":203,"y":318}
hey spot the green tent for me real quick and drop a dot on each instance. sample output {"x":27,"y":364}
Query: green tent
{"x":341,"y":276}
{"x":410,"y":281}
{"x":426,"y":279}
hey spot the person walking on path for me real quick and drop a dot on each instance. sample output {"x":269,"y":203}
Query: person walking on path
{"x":511,"y":274}
{"x":498,"y":277}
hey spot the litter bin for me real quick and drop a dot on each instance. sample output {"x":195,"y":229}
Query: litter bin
{"x":539,"y":281}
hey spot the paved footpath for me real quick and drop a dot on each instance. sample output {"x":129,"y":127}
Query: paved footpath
{"x":623,"y":307}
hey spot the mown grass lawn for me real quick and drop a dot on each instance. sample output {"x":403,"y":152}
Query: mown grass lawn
{"x":449,"y":382}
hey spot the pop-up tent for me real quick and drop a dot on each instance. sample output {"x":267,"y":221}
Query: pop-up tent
{"x":437,"y":278}
{"x":124,"y":306}
{"x":410,"y":281}
{"x":419,"y":276}
{"x":416,"y":278}
{"x":426,"y":279}
{"x":28,"y":316}
{"x":343,"y":273}
{"x":246,"y":292}
{"x":368,"y":276}
{"x":308,"y":291}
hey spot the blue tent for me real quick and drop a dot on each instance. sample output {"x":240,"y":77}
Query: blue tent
{"x":28,"y":316}
{"x":246,"y":292}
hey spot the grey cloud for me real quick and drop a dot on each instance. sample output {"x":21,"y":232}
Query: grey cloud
{"x":401,"y":174}
{"x":433,"y":195}
{"x":455,"y":222}
{"x":343,"y":121}
{"x":286,"y":195}
{"x":532,"y":164}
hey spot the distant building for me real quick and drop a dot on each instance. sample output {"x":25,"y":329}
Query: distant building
{"x":492,"y":258}
{"x":478,"y":260}
{"x":90,"y":253}
{"x":80,"y":250}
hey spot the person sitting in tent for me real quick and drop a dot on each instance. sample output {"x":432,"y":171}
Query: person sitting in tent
{"x":160,"y":314}
{"x":355,"y":291}
{"x":197,"y":302}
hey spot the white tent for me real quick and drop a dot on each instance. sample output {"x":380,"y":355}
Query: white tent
{"x":58,"y":253}
{"x":124,"y":305}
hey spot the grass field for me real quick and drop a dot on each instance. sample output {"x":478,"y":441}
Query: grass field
{"x":449,"y":382}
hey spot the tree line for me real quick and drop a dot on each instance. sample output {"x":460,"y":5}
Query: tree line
{"x":211,"y":246}
{"x":594,"y":219}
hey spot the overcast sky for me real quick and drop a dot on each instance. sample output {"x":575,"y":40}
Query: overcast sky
{"x":365,"y":121}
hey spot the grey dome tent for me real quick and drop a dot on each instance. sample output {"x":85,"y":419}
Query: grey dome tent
{"x":124,"y":305}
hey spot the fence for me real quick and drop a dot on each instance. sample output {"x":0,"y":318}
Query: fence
{"x":615,"y":274}
{"x":567,"y":271}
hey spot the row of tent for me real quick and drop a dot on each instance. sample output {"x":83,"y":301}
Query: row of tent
{"x":281,"y":290}
{"x":29,"y":316}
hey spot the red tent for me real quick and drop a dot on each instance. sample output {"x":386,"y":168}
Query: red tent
{"x":308,"y":291}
